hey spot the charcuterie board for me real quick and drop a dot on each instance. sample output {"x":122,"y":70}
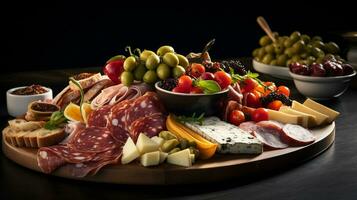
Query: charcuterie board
{"x":218,"y":168}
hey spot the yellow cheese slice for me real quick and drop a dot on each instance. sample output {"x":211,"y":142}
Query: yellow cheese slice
{"x":320,"y":118}
{"x":308,"y":120}
{"x":284,"y":117}
{"x":332,"y":114}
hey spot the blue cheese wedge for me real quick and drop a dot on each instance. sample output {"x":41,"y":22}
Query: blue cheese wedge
{"x":230,"y":138}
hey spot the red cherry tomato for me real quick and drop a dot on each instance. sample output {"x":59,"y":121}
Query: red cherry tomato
{"x":196,"y":90}
{"x":113,"y":70}
{"x":223,"y":79}
{"x":178,"y":90}
{"x":275,"y":105}
{"x":271,"y":86}
{"x":185,"y":83}
{"x":257,"y":94}
{"x":197,"y":70}
{"x":260,"y":89}
{"x":236,"y":117}
{"x":250,"y":100}
{"x":260,"y":114}
{"x":248,"y":84}
{"x":283,"y":90}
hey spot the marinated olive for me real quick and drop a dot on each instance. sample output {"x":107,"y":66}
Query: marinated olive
{"x":184,"y":143}
{"x":255,"y":52}
{"x":261,"y":53}
{"x":295,"y":36}
{"x":170,"y":59}
{"x":152,"y":61}
{"x":305,"y":38}
{"x":298,"y":46}
{"x":310,"y":60}
{"x":192,"y":143}
{"x":167,"y":135}
{"x":150,"y":77}
{"x":163,"y":71}
{"x":168,"y":145}
{"x":332,"y":47}
{"x":127,"y":78}
{"x":195,"y":151}
{"x":316,"y":38}
{"x":278,"y":48}
{"x":304,"y":55}
{"x":269,"y":48}
{"x":145,"y":54}
{"x":296,"y":58}
{"x":281,"y":59}
{"x":130,"y":63}
{"x":165,"y":49}
{"x":178,"y":71}
{"x":288,"y":43}
{"x":268,"y":58}
{"x":273,"y":62}
{"x":265,"y":40}
{"x":289,"y":62}
{"x":139,"y":72}
{"x":319,"y":45}
{"x":183,"y":61}
{"x":316,"y":52}
{"x":289,"y":52}
{"x":308,"y":48}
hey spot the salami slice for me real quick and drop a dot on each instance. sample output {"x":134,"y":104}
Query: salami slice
{"x":270,"y":137}
{"x":48,"y":161}
{"x":99,"y":118}
{"x":149,"y":125}
{"x":70,"y":155}
{"x":297,"y":135}
{"x":93,"y":139}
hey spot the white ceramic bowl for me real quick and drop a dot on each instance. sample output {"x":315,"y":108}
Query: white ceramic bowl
{"x":281,"y":72}
{"x":322,"y":88}
{"x":17,"y":104}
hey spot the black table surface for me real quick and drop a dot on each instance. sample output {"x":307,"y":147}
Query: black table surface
{"x":331,"y":175}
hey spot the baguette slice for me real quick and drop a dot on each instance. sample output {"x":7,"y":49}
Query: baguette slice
{"x":50,"y":137}
{"x":31,"y":139}
{"x":23,"y":125}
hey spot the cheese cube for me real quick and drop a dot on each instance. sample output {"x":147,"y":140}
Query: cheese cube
{"x":284,"y":117}
{"x":307,"y":119}
{"x":150,"y":159}
{"x":158,"y":140}
{"x":332,"y":114}
{"x":145,"y":144}
{"x":130,"y":152}
{"x":320,"y":118}
{"x":181,"y":158}
{"x":163,"y":156}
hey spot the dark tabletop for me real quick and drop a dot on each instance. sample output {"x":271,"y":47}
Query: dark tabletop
{"x":331,"y":175}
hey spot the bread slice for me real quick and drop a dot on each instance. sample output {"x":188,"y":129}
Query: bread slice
{"x":50,"y":137}
{"x":23,"y":125}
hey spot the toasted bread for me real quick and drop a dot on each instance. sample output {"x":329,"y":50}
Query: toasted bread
{"x":23,"y":125}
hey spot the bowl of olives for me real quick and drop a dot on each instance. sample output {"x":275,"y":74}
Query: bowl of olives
{"x":322,"y":81}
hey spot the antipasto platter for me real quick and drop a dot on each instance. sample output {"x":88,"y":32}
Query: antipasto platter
{"x":163,"y":118}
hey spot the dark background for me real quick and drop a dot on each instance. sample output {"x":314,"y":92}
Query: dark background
{"x":43,"y":36}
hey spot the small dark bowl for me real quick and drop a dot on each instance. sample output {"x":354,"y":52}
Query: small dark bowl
{"x":187,"y":104}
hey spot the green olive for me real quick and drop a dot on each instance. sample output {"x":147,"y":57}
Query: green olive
{"x":304,"y":55}
{"x":319,"y":60}
{"x":278,"y":48}
{"x":289,"y":52}
{"x":139,"y":72}
{"x":163,"y":71}
{"x":273,"y":62}
{"x":261,"y":53}
{"x":126,"y":78}
{"x":192,"y":143}
{"x":269,"y":48}
{"x":150,"y":77}
{"x":288,"y":43}
{"x":152,"y":61}
{"x":168,"y":145}
{"x":184,"y":143}
{"x":310,"y":60}
{"x":305,"y":38}
{"x":183,"y":61}
{"x":167,"y":135}
{"x":265,"y":40}
{"x":145,"y":54}
{"x":332,"y":47}
{"x":316,"y":38}
{"x":296,"y":58}
{"x":308,"y":48}
{"x":165,"y":49}
{"x":295,"y":36}
{"x":130,"y":63}
{"x":178,"y":71}
{"x":319,"y":45}
{"x":255,"y":52}
{"x":282,"y":39}
{"x":170,"y":59}
{"x":195,"y":151}
{"x":281,"y":60}
{"x":268,"y":58}
{"x":298,"y":46}
{"x":316,"y":52}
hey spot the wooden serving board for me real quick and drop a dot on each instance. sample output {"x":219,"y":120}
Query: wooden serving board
{"x":218,"y":168}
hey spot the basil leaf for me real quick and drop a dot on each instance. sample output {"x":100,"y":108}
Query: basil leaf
{"x":208,"y":86}
{"x":252,"y":75}
{"x":57,"y":118}
{"x":117,"y":57}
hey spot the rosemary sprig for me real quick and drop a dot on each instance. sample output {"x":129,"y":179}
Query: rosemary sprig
{"x":195,"y":119}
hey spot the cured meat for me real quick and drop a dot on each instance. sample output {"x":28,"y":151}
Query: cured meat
{"x":96,"y":88}
{"x":231,"y":105}
{"x":248,"y":126}
{"x":235,"y":93}
{"x":70,"y":155}
{"x":271,"y":124}
{"x":99,"y":118}
{"x":297,"y":135}
{"x":71,"y":129}
{"x":134,"y":91}
{"x":149,"y":125}
{"x":48,"y":161}
{"x":93,"y":139}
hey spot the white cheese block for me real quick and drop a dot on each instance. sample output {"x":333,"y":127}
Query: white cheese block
{"x":320,"y":118}
{"x":158,"y":140}
{"x":230,"y":138}
{"x":145,"y":144}
{"x":332,"y":114}
{"x":307,"y":119}
{"x":181,"y":158}
{"x":150,"y":159}
{"x":130,"y":152}
{"x":284,"y":117}
{"x":163,"y":156}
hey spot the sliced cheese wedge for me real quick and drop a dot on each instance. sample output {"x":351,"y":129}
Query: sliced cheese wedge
{"x":320,"y":118}
{"x":145,"y":144}
{"x":284,"y":117}
{"x":332,"y":114}
{"x":130,"y":152}
{"x":150,"y":159}
{"x":181,"y":158}
{"x":307,"y":119}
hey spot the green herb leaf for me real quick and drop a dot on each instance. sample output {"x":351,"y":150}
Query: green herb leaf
{"x":208,"y":86}
{"x":81,"y":92}
{"x":193,"y":118}
{"x":56,"y":120}
{"x":252,"y":75}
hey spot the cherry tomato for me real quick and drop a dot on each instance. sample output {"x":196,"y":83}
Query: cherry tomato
{"x":257,"y":94}
{"x":260,"y":114}
{"x":275,"y":105}
{"x":248,"y":84}
{"x":250,"y":100}
{"x":178,"y":90}
{"x":185,"y":83}
{"x":260,"y":89}
{"x":223,"y":79}
{"x":197,"y":70}
{"x":236,"y":117}
{"x":113,"y":70}
{"x":248,"y":111}
{"x":270,"y":85}
{"x":207,"y":76}
{"x":196,"y":90}
{"x":283,"y":90}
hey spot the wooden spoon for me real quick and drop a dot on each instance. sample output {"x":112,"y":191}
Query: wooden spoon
{"x":264,"y":25}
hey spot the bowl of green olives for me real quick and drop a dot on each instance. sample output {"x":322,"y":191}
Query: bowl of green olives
{"x":188,"y":103}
